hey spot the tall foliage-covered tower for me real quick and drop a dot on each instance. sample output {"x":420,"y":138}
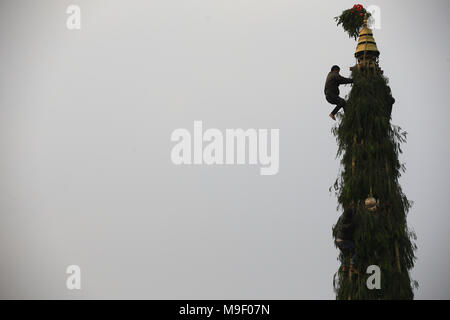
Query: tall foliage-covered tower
{"x":369,"y":147}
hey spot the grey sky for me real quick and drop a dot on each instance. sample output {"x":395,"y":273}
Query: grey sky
{"x":85,"y":124}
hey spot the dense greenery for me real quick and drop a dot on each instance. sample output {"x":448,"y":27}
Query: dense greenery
{"x":352,"y":20}
{"x":370,"y":146}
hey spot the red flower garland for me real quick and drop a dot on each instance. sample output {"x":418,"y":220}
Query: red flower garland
{"x":358,"y":7}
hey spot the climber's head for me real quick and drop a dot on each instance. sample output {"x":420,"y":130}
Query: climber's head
{"x":335,"y":69}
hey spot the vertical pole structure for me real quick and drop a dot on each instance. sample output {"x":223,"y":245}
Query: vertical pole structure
{"x":371,"y":169}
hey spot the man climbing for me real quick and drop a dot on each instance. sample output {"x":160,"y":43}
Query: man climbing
{"x":344,"y":237}
{"x":334,"y":79}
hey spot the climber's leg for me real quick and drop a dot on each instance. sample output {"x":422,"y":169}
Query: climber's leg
{"x":347,"y":247}
{"x":352,"y":265}
{"x":339,"y":102}
{"x":350,"y":247}
{"x":343,"y":247}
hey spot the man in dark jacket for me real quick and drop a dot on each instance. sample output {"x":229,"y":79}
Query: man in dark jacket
{"x":344,"y":236}
{"x":334,"y":79}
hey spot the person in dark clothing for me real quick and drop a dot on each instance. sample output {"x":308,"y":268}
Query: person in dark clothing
{"x":344,"y":236}
{"x":334,"y":79}
{"x":392,"y":101}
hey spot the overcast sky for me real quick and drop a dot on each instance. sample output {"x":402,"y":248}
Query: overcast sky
{"x":85,"y":123}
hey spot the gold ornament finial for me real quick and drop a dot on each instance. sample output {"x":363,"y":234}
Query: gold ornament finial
{"x":365,"y":20}
{"x":366,"y":50}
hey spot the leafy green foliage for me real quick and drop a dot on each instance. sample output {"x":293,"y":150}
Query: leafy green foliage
{"x":370,"y":146}
{"x":352,"y":20}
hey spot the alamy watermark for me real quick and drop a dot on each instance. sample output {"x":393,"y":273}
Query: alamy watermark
{"x":374,"y":281}
{"x":73,"y":281}
{"x":234,"y":146}
{"x":375,"y":16}
{"x":73,"y":21}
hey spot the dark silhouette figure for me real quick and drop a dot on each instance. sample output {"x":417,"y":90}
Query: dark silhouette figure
{"x":334,"y":79}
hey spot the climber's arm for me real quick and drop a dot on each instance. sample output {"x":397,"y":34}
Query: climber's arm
{"x":343,"y":80}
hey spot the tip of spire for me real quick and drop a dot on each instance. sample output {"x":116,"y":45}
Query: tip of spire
{"x":366,"y":50}
{"x":365,"y":20}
